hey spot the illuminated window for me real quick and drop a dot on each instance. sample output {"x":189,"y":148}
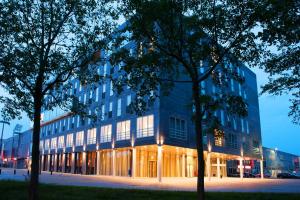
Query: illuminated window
{"x":123,"y":130}
{"x":111,"y":90}
{"x":219,"y":137}
{"x":102,"y":112}
{"x":60,"y":141}
{"x":119,"y":107}
{"x":91,"y":136}
{"x":178,"y":128}
{"x":53,"y":143}
{"x":47,"y":144}
{"x":69,"y":142}
{"x":105,"y":135}
{"x":145,"y":126}
{"x":79,"y":138}
{"x":41,"y":145}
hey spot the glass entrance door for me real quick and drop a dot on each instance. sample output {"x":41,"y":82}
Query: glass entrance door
{"x":152,"y":169}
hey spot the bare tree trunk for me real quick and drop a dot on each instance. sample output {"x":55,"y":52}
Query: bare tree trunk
{"x":199,"y":142}
{"x":34,"y":180}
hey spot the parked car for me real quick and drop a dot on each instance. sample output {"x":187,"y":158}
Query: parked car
{"x":266,"y":175}
{"x":287,"y":175}
{"x":249,"y":175}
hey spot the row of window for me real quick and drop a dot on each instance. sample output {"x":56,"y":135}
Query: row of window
{"x":145,"y":128}
{"x":76,"y":121}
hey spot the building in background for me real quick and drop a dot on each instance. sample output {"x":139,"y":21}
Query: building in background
{"x":276,"y":161}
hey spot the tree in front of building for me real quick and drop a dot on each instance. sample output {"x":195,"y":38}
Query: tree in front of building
{"x":44,"y":45}
{"x":282,"y":32}
{"x":191,"y":43}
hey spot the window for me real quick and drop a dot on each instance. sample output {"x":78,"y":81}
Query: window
{"x":234,"y":123}
{"x":73,"y":122}
{"x":102,"y":112}
{"x":110,"y":110}
{"x":103,"y":90}
{"x":119,"y":108}
{"x":240,"y":89}
{"x":60,"y":141}
{"x":232,"y":141}
{"x":69,"y":142}
{"x":202,"y":87}
{"x":247,"y":127}
{"x":177,"y":128}
{"x":84,"y":98}
{"x":128,"y":102}
{"x":111,"y":90}
{"x":53,"y":143}
{"x":105,"y":69}
{"x":78,"y":121}
{"x":222,"y":118}
{"x":105,"y":134}
{"x":232,"y":85}
{"x":41,"y":145}
{"x":89,"y":118}
{"x":145,"y":126}
{"x":47,"y":144}
{"x":242,"y":125}
{"x":91,"y":136}
{"x":79,"y":138}
{"x":97,"y":94}
{"x":123,"y":130}
{"x":219,"y":137}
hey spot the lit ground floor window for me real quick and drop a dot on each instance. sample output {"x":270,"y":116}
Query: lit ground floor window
{"x":140,"y":161}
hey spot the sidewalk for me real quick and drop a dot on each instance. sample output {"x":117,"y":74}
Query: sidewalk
{"x":180,"y":184}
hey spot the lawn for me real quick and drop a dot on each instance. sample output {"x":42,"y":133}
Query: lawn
{"x":10,"y":190}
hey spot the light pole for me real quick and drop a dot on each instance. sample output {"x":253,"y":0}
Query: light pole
{"x":1,"y":144}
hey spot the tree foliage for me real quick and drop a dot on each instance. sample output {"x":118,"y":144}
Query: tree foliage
{"x":280,"y":30}
{"x":189,"y":42}
{"x":45,"y":44}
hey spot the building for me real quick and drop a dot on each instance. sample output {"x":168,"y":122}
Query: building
{"x":161,"y":143}
{"x":17,"y":150}
{"x":276,"y":161}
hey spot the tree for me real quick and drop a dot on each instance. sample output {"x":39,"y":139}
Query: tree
{"x":281,"y":31}
{"x":189,"y":42}
{"x":44,"y":44}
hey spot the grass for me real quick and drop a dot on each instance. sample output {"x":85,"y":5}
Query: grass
{"x":13,"y":190}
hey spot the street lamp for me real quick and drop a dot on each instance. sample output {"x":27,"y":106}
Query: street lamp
{"x":1,"y":144}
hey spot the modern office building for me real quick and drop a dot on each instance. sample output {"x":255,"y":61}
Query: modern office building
{"x":161,"y":143}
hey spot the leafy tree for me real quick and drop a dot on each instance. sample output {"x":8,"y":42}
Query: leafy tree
{"x":44,"y":44}
{"x":280,"y":29}
{"x":189,"y":42}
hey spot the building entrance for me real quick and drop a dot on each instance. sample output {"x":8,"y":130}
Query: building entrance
{"x":152,"y":169}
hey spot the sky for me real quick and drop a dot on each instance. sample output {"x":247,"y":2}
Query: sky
{"x":276,"y":127}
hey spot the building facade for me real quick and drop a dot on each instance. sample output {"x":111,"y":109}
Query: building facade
{"x":276,"y":161}
{"x":161,"y":143}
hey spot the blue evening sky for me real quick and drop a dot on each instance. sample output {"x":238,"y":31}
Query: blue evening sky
{"x":277,"y":129}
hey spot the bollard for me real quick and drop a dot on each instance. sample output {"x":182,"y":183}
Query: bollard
{"x":0,"y":171}
{"x":15,"y":171}
{"x":28,"y":172}
{"x":51,"y":172}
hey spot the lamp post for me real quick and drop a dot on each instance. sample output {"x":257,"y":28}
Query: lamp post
{"x":1,"y":144}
